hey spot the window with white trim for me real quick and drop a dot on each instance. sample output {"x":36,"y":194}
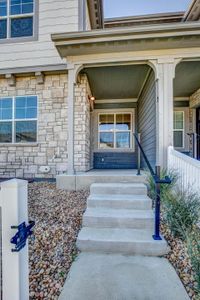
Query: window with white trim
{"x":179,"y":129}
{"x":16,"y":18}
{"x":115,"y":131}
{"x":18,"y":119}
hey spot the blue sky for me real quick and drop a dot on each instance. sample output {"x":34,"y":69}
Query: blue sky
{"x":117,"y":8}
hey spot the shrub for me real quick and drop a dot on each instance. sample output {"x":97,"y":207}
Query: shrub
{"x":181,"y":212}
{"x":165,"y":189}
{"x":193,"y":245}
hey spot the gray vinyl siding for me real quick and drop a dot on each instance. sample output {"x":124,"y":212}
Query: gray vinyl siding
{"x":147,"y":118}
{"x":53,"y":17}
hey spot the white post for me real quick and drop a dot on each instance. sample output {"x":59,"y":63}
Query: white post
{"x":14,"y":209}
{"x":165,"y":73}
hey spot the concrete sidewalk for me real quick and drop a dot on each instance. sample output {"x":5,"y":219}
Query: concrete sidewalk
{"x":118,"y":277}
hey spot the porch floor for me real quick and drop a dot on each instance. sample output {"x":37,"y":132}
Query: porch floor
{"x":83,"y":180}
{"x":111,"y":172}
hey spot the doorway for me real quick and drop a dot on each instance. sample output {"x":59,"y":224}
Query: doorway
{"x":198,"y":132}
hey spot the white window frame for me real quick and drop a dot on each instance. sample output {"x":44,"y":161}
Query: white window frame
{"x":181,"y":130}
{"x":114,"y":131}
{"x":9,"y":17}
{"x":14,"y":120}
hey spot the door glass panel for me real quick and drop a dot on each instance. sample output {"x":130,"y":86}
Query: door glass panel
{"x":123,"y":140}
{"x":106,"y":140}
{"x":106,"y":122}
{"x":123,"y":122}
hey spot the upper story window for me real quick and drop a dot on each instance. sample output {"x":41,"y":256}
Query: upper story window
{"x":18,"y":119}
{"x":17,"y":18}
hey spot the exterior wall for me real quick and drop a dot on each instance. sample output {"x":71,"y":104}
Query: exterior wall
{"x":195,"y":99}
{"x":82,"y":126}
{"x":54,"y":17}
{"x":147,"y":118}
{"x":51,"y":148}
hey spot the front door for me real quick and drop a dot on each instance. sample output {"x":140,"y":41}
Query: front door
{"x":114,"y":146}
{"x":198,"y":133}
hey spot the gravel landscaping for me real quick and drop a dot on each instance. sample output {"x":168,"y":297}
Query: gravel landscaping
{"x":58,"y":217}
{"x":178,"y":257}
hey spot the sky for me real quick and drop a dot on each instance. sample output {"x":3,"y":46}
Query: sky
{"x":118,"y":8}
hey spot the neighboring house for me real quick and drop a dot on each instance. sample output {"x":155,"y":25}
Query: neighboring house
{"x":75,"y":87}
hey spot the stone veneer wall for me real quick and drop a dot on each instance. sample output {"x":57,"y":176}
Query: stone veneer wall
{"x":51,"y":148}
{"x":82,"y":126}
{"x":195,"y":99}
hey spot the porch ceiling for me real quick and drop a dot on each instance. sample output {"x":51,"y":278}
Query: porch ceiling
{"x":116,"y":82}
{"x":187,"y":79}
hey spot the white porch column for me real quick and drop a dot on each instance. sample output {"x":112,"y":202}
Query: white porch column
{"x":72,"y":77}
{"x":165,"y":73}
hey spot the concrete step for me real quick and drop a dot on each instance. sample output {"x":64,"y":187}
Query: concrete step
{"x":124,"y":241}
{"x":118,"y":218}
{"x":140,"y":202}
{"x":118,"y":188}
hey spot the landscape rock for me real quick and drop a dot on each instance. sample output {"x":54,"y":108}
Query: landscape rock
{"x":58,"y":217}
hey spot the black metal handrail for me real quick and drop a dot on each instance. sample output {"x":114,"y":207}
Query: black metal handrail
{"x":157,"y":180}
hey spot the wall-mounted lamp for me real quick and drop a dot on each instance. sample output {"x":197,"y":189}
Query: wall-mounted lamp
{"x":92,"y":98}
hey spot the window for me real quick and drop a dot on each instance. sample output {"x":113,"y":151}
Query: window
{"x":178,"y":129}
{"x":16,"y":18}
{"x":18,"y":119}
{"x":115,"y":131}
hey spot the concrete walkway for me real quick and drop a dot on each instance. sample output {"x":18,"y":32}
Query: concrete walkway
{"x":118,"y":277}
{"x":119,"y":259}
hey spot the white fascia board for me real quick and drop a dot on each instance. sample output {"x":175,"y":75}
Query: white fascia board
{"x":134,"y":32}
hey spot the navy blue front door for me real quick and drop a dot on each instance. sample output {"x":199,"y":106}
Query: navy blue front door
{"x":198,"y":133}
{"x":115,"y":160}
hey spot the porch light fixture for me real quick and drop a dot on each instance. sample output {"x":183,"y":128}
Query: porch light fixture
{"x":92,"y":98}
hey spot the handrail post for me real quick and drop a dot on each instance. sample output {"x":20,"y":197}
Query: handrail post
{"x":156,"y":177}
{"x":195,"y":145}
{"x":156,"y":236}
{"x":139,"y":156}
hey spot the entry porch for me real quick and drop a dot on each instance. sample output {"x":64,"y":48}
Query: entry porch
{"x":120,"y":84}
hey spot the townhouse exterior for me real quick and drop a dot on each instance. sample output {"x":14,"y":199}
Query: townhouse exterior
{"x":75,"y":87}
